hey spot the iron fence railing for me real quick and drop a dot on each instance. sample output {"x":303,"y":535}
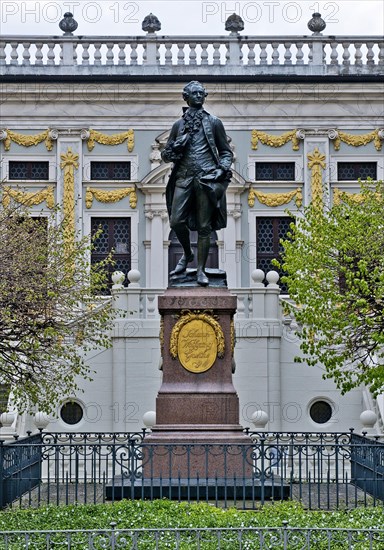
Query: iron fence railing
{"x":255,"y":538}
{"x":323,"y":470}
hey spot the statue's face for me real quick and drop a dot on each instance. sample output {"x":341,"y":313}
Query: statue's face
{"x":196,"y":96}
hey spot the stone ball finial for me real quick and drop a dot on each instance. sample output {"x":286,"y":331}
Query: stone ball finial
{"x":316,"y":24}
{"x":41,"y":420}
{"x":272,"y":278}
{"x":68,"y":24}
{"x":134,"y":278}
{"x":259,"y":419}
{"x":151,"y":23}
{"x":149,"y":419}
{"x":118,"y":278}
{"x":368,"y":418}
{"x":234,"y":23}
{"x":258,"y":277}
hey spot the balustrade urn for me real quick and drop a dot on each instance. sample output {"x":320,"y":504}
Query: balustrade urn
{"x":316,"y":24}
{"x":234,"y":23}
{"x":68,"y":24}
{"x":151,"y":24}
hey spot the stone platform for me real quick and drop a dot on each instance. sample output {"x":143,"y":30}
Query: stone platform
{"x":199,"y":489}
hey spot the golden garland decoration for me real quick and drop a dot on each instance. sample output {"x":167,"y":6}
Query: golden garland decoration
{"x":275,"y":199}
{"x":29,"y":198}
{"x":358,"y":140}
{"x":275,"y":141}
{"x":69,"y":163}
{"x":339,"y":195}
{"x":110,"y":196}
{"x":161,"y":335}
{"x":188,"y":316}
{"x":233,"y":336}
{"x":114,"y":139}
{"x":28,"y":140}
{"x":316,"y":164}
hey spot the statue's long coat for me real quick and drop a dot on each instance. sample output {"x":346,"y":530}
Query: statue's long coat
{"x":215,"y":134}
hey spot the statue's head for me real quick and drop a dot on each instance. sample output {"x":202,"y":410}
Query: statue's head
{"x":194,"y":93}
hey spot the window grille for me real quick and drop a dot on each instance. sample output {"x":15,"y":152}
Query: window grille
{"x":115,"y":237}
{"x":106,"y":170}
{"x":269,"y":231}
{"x":28,"y":170}
{"x":352,"y":171}
{"x":281,"y":171}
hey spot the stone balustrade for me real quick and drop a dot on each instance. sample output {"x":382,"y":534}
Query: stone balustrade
{"x":256,"y":301}
{"x":231,"y":55}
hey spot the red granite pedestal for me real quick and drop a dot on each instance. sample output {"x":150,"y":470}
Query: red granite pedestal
{"x":197,"y":432}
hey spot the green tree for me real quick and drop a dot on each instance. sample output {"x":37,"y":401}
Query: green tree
{"x":50,"y":316}
{"x":334,"y":265}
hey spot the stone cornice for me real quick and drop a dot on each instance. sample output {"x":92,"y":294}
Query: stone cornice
{"x":219,"y":92}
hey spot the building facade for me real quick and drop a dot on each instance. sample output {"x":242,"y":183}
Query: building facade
{"x":86,"y":118}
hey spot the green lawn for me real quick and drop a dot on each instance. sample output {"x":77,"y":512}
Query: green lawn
{"x":162,"y":513}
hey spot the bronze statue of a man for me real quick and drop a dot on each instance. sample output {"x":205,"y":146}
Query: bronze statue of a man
{"x":195,"y":193}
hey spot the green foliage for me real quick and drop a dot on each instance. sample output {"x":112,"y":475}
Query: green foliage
{"x":334,"y":265}
{"x":49,"y":314}
{"x":165,"y":514}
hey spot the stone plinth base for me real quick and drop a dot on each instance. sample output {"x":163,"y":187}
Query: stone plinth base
{"x":240,"y":490}
{"x":197,"y":432}
{"x":190,"y":452}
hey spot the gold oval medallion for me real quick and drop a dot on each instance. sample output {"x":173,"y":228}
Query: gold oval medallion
{"x":197,"y":346}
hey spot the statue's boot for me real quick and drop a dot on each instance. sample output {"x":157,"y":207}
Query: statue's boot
{"x":183,"y":236}
{"x":181,"y":265}
{"x":203,"y":245}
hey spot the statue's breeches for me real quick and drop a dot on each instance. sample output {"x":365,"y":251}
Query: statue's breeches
{"x":190,"y":196}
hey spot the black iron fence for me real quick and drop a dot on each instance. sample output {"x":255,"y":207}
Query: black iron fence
{"x":323,"y":470}
{"x":367,"y":465}
{"x":255,"y":538}
{"x":20,"y":468}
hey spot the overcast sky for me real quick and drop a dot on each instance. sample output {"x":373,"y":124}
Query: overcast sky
{"x":124,"y":18}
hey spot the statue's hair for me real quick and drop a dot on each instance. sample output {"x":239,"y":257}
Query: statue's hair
{"x":187,"y":89}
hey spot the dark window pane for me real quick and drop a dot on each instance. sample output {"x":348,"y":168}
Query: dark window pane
{"x":283,"y":229}
{"x":283,"y":171}
{"x":269,"y":231}
{"x":99,"y":171}
{"x":264,"y":235}
{"x":115,"y":236}
{"x":122,"y":171}
{"x":106,"y":170}
{"x":264,"y":171}
{"x":71,"y":413}
{"x":355,"y":170}
{"x":320,"y":412}
{"x":121,"y":236}
{"x":101,"y":243}
{"x":28,"y":170}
